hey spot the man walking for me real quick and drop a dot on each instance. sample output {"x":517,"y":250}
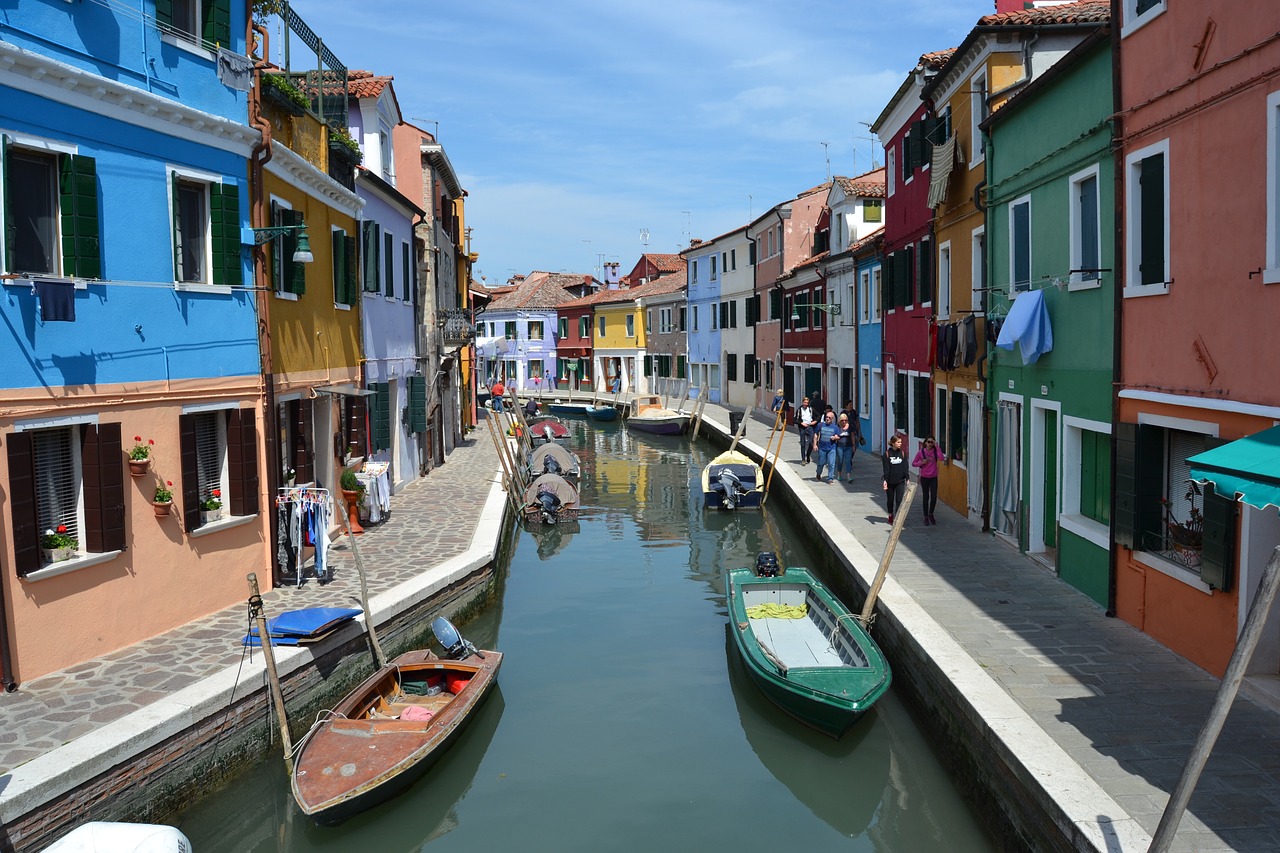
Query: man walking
{"x":807,"y":421}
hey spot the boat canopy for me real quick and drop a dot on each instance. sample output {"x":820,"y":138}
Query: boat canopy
{"x":560,"y":487}
{"x":556,"y":451}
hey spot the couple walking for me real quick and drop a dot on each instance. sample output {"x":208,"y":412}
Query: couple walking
{"x":835,"y":441}
{"x":896,"y":473}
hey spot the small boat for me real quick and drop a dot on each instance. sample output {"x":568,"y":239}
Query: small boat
{"x":804,"y":649}
{"x":603,"y":413}
{"x":548,"y":429}
{"x":550,"y":499}
{"x":108,"y":837}
{"x":392,"y":727}
{"x":732,"y":481}
{"x":570,"y":408}
{"x":649,"y":415}
{"x":552,"y":458}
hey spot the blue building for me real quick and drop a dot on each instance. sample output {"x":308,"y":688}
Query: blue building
{"x":868,"y":253}
{"x":704,"y":275}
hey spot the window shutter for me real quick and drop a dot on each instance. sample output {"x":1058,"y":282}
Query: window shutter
{"x":189,"y":488}
{"x":369,"y":240}
{"x":724,"y":315}
{"x":276,"y":285}
{"x":1126,"y":474}
{"x":164,"y":13}
{"x":921,"y":408}
{"x":10,"y":229}
{"x":680,"y":365}
{"x":955,"y":440}
{"x":297,"y":272}
{"x":1021,"y":239}
{"x":78,"y":188}
{"x":906,"y":265}
{"x":775,"y":304}
{"x":733,"y":314}
{"x":217,"y":23}
{"x":224,"y":202}
{"x":338,"y":244}
{"x":389,"y":261}
{"x":647,"y":365}
{"x":901,"y":390}
{"x":417,"y":404}
{"x":300,"y":430}
{"x":408,"y":269}
{"x":924,"y":284}
{"x":242,"y":461}
{"x":889,"y":282}
{"x":175,"y":226}
{"x":1139,"y":483}
{"x":102,"y":476}
{"x":381,"y":416}
{"x":1090,"y":258}
{"x":357,"y":429}
{"x":1151,"y":186}
{"x":22,"y":513}
{"x":1218,"y":557}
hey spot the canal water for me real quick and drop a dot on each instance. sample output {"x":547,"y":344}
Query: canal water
{"x":623,"y":719}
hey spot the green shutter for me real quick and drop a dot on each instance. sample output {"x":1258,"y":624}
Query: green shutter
{"x":224,"y":202}
{"x":924,"y":284}
{"x":775,"y":303}
{"x":296,"y":273}
{"x":164,"y":13}
{"x":1139,"y":477}
{"x":174,"y":224}
{"x":369,"y":244}
{"x":889,"y":281}
{"x":274,"y":267}
{"x":1218,"y":557}
{"x":408,"y":270}
{"x":922,"y":401}
{"x":78,"y":189}
{"x":381,"y":413}
{"x":959,"y":407}
{"x":217,"y":23}
{"x":351,"y":274}
{"x":1151,"y":249}
{"x":10,"y":230}
{"x":901,"y":389}
{"x":417,"y":404}
{"x":337,"y":241}
{"x":680,"y":365}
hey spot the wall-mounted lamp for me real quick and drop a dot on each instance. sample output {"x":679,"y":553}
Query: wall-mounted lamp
{"x":833,"y":310}
{"x":302,"y":252}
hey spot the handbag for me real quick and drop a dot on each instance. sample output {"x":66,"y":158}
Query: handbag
{"x":861,"y":440}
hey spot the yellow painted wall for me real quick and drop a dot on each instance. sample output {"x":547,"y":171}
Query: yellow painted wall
{"x":615,"y":326}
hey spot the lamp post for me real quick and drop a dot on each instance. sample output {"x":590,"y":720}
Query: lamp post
{"x":302,"y":252}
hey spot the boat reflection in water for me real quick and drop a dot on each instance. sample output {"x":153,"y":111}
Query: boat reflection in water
{"x":841,"y":781}
{"x":244,"y":818}
{"x":552,"y":538}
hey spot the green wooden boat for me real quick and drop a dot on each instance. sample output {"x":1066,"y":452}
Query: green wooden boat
{"x":822,"y":668}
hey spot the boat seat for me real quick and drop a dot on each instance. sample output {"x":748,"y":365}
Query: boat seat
{"x":431,"y":703}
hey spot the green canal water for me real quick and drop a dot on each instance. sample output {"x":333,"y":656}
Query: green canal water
{"x":623,"y":719}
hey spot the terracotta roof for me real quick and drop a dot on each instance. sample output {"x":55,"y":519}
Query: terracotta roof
{"x":665,"y":263}
{"x":365,"y":84}
{"x":540,"y":290}
{"x":866,"y":241}
{"x":1083,"y":12}
{"x":666,"y":284}
{"x":870,"y":185}
{"x":820,"y":188}
{"x":937,"y":58}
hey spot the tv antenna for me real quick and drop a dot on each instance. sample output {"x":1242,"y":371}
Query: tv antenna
{"x":644,"y":237}
{"x":826,"y":153}
{"x":435,"y":134}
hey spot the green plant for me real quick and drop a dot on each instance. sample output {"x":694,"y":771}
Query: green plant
{"x":1189,"y":533}
{"x":60,"y":538}
{"x":164,"y":494}
{"x":350,"y":483}
{"x":282,"y":84}
{"x":213,"y":501}
{"x":141,"y":451}
{"x":340,"y":136}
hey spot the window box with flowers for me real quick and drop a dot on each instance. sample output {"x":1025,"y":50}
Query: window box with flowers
{"x":58,"y":544}
{"x":1184,"y":539}
{"x":140,"y":456}
{"x":279,"y":90}
{"x":163,"y":500}
{"x":342,"y":146}
{"x":211,"y":507}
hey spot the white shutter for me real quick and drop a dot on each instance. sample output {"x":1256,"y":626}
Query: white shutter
{"x":57,"y":479}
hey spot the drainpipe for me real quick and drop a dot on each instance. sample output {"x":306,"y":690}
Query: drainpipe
{"x":1117,"y":287}
{"x":6,"y":660}
{"x":258,"y":158}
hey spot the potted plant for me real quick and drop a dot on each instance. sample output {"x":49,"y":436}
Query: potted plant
{"x":1186,"y":537}
{"x":342,"y":145}
{"x":352,"y":493}
{"x":163,"y":500}
{"x":278,"y":89}
{"x":211,"y":507}
{"x":289,"y":476}
{"x":140,"y":456}
{"x":58,"y":544}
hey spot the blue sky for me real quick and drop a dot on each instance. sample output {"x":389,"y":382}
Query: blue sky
{"x":575,"y":125}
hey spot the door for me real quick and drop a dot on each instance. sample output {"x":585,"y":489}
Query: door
{"x":1006,"y":489}
{"x":877,"y":411}
{"x":975,"y":459}
{"x":1049,"y":498}
{"x":813,"y":381}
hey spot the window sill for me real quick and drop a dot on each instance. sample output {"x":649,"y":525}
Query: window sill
{"x":1137,"y":290}
{"x":201,"y":287}
{"x":188,"y":45}
{"x":341,"y":306}
{"x":28,"y":281}
{"x":1173,"y":570}
{"x":287,"y":297}
{"x":1271,"y":276}
{"x":83,"y":561}
{"x":1087,"y":529}
{"x":1078,"y":283}
{"x":221,"y":524}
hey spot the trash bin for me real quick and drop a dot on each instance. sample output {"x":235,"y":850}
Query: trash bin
{"x":735,"y":421}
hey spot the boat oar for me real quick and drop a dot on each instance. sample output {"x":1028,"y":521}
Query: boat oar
{"x":258,"y":614}
{"x":898,"y":521}
{"x":379,"y":659}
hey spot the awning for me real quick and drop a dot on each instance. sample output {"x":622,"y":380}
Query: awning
{"x":1249,"y":467}
{"x":345,"y":389}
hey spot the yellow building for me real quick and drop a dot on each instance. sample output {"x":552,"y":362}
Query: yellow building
{"x":618,"y":340}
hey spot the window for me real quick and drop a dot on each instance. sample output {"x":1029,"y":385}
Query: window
{"x":684,"y":317}
{"x":717,"y":310}
{"x":731,"y":367}
{"x":372,"y":234}
{"x":733,"y":260}
{"x":1147,"y":211}
{"x":872,"y":210}
{"x":1020,"y":245}
{"x":50,"y":208}
{"x":874,"y":296}
{"x":536,"y":330}
{"x":958,"y":437}
{"x":693,"y":271}
{"x":602,"y":327}
{"x":287,"y":276}
{"x":73,"y":474}
{"x":219,"y":461}
{"x":695,"y":318}
{"x":206,"y":22}
{"x":211,"y":455}
{"x":345,"y":285}
{"x":864,"y":392}
{"x":944,"y":282}
{"x":1138,"y":13}
{"x":631,"y":325}
{"x":978,"y":112}
{"x":648,"y":322}
{"x":978,"y":273}
{"x":389,"y":244}
{"x":1086,"y":237}
{"x":1271,"y":274}
{"x":940,"y":415}
{"x":509,"y":330}
{"x":900,"y":402}
{"x":190,"y":231}
{"x":406,"y":265}
{"x":563,"y":329}
{"x":920,"y":402}
{"x":714,"y":261}
{"x":890,"y":167}
{"x":584,"y":327}
{"x":664,"y":320}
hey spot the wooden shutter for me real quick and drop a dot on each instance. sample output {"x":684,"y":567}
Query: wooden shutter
{"x":300,"y":441}
{"x":175,"y":226}
{"x":351,"y":275}
{"x":733,"y":313}
{"x":417,"y":404}
{"x":920,"y":390}
{"x":217,"y":23}
{"x":22,"y":513}
{"x":906,"y":267}
{"x":680,"y":367}
{"x":102,"y":477}
{"x":189,"y":456}
{"x":1021,"y":240}
{"x":901,"y":389}
{"x":889,"y":282}
{"x":775,"y":304}
{"x":164,"y":13}
{"x":389,"y":263}
{"x":381,"y":416}
{"x":724,"y":315}
{"x":408,"y":270}
{"x":357,"y":424}
{"x":1139,"y":483}
{"x":1090,"y":256}
{"x":224,"y":215}
{"x":371,"y":238}
{"x":78,"y":191}
{"x":1151,"y":247}
{"x":1218,"y":556}
{"x":10,"y":229}
{"x":339,"y":267}
{"x":955,"y":441}
{"x":277,"y":286}
{"x":924,"y":283}
{"x":242,"y":461}
{"x":295,"y":273}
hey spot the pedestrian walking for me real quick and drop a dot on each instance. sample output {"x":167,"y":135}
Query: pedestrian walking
{"x":496,"y":392}
{"x":896,"y":473}
{"x":806,"y":420}
{"x":846,"y":446}
{"x":928,"y":457}
{"x":819,"y":404}
{"x":825,"y":438}
{"x":779,"y":404}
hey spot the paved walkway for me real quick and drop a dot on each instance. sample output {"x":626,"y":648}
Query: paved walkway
{"x":1122,"y":706}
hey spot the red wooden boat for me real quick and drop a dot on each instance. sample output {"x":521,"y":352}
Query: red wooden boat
{"x":548,"y":429}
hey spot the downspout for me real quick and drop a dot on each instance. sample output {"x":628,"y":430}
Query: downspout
{"x":258,"y":158}
{"x":1117,"y":289}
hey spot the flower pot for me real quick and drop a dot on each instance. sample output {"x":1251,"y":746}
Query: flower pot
{"x":208,"y":515}
{"x":57,"y":555}
{"x":281,"y":99}
{"x":138,"y":467}
{"x":162,"y":508}
{"x":353,"y":511}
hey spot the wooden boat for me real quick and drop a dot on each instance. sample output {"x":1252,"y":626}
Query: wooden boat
{"x":649,"y":415}
{"x":820,"y":666}
{"x":391,"y":728}
{"x":109,"y":837}
{"x":550,"y":499}
{"x":732,"y":481}
{"x":570,"y":408}
{"x":552,"y":458}
{"x":603,"y":413}
{"x":548,"y":429}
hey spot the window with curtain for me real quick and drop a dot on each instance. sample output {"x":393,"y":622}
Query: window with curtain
{"x":57,"y":495}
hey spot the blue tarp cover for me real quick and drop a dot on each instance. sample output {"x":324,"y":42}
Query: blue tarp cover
{"x":294,"y":625}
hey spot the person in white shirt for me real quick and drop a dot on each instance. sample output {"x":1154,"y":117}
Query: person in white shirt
{"x":807,"y":420}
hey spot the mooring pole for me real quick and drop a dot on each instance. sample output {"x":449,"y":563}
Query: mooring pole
{"x":898,"y":521}
{"x":1253,"y":625}
{"x":379,"y":659}
{"x":259,"y":616}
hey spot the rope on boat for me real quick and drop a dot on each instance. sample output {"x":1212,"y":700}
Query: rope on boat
{"x":836,"y":630}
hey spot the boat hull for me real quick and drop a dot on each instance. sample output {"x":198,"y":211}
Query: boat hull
{"x":827,"y":689}
{"x":750,"y":475}
{"x":359,"y":756}
{"x":660,"y":426}
{"x":602,"y":413}
{"x":570,"y":409}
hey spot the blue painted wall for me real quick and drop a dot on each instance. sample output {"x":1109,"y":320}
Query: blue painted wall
{"x":869,"y":345}
{"x":704,"y":297}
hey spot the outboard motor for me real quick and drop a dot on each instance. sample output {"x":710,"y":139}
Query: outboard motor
{"x":549,"y":433}
{"x":455,"y":647}
{"x":767,"y":565}
{"x":550,"y":465}
{"x":730,"y":488}
{"x":549,"y":503}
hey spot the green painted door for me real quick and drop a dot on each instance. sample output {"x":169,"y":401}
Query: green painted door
{"x":1050,"y":479}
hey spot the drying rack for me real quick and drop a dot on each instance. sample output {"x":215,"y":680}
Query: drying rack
{"x":305,"y":494}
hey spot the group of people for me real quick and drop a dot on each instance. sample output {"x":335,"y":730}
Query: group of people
{"x":830,"y":440}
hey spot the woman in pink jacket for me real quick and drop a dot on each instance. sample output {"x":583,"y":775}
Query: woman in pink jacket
{"x":928,"y":457}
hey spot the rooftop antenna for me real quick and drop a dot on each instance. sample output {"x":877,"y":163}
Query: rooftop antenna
{"x":688,"y":233}
{"x":871,"y":139}
{"x":826,"y":153}
{"x":644,"y":237}
{"x":435,"y":133}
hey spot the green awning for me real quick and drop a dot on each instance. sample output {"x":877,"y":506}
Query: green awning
{"x":1249,"y":467}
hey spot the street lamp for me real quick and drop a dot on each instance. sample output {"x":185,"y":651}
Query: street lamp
{"x":302,"y":252}
{"x":833,"y":310}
